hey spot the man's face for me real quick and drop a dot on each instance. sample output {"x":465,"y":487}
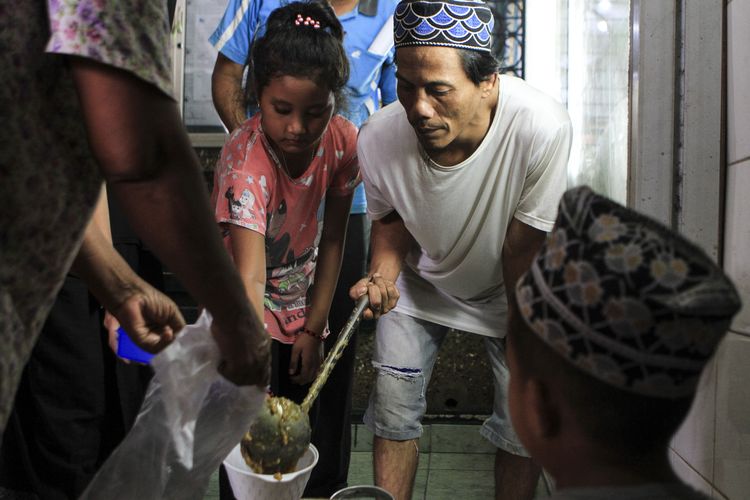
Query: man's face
{"x":441,"y":102}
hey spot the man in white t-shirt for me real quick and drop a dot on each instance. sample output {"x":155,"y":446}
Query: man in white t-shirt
{"x":463,"y":176}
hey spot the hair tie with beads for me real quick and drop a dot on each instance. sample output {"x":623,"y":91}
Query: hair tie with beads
{"x":306,"y":21}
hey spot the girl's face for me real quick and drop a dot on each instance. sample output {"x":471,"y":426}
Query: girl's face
{"x":295,"y":112}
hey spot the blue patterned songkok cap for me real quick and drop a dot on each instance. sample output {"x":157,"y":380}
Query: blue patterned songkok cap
{"x":625,"y":299}
{"x":462,"y":24}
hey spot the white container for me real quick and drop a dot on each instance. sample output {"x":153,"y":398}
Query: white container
{"x":248,"y":485}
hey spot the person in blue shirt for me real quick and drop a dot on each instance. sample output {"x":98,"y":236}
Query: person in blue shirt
{"x":368,"y":42}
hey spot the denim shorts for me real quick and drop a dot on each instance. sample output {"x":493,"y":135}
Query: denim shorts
{"x":405,"y":353}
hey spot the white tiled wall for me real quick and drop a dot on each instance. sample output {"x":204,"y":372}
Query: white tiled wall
{"x":694,"y":442}
{"x":732,"y":452}
{"x":737,"y":229}
{"x":738,"y":79}
{"x":712,"y":450}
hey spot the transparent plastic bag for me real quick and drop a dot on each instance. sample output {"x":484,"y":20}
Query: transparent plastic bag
{"x":190,"y":420}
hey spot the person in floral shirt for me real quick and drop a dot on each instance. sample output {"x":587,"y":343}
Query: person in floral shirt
{"x":85,"y":89}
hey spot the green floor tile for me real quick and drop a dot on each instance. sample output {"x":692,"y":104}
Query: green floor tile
{"x":462,"y":461}
{"x":447,"y":485}
{"x":212,"y":493}
{"x":420,"y":485}
{"x":361,"y":438}
{"x":458,"y":438}
{"x":360,"y":468}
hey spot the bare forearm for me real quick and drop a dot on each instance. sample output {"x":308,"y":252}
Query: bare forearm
{"x":390,"y":243}
{"x":519,"y":249}
{"x":105,"y":272}
{"x":227,"y":93}
{"x":249,"y":251}
{"x":330,"y":254}
{"x":101,"y":215}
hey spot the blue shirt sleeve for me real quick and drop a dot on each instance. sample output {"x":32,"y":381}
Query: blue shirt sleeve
{"x":236,"y":29}
{"x":387,"y":82}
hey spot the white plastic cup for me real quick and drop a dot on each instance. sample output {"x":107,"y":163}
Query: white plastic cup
{"x":248,"y":485}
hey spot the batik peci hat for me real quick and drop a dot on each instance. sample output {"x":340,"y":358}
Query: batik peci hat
{"x":626,"y":299}
{"x":463,"y":24}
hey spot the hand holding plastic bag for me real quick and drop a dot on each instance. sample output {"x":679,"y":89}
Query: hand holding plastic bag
{"x":190,"y":420}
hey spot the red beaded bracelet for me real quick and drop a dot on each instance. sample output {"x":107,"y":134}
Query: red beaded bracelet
{"x":319,"y":336}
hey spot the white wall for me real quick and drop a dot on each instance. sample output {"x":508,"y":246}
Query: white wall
{"x":712,"y":450}
{"x":732,"y":465}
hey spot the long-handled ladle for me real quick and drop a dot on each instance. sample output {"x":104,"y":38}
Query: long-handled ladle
{"x":280,"y":434}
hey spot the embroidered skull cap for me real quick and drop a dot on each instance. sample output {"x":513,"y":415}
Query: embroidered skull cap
{"x":625,"y":299}
{"x":462,"y":24}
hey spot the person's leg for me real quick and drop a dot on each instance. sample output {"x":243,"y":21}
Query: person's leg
{"x":395,"y":466}
{"x":405,"y":352}
{"x":332,"y":437}
{"x":516,"y":475}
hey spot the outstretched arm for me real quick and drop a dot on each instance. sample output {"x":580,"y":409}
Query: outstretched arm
{"x":136,"y":134}
{"x":390,"y":241}
{"x":149,"y":316}
{"x":226,"y":91}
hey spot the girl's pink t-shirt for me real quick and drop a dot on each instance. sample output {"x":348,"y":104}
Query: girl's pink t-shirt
{"x":252,"y":190}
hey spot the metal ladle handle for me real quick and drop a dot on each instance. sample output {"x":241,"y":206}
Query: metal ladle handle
{"x":338,"y":349}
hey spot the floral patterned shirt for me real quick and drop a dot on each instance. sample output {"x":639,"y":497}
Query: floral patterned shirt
{"x":49,"y":181}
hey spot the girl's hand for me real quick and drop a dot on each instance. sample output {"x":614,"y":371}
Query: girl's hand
{"x":307,"y":354}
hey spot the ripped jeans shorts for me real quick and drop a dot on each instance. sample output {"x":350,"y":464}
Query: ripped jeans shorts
{"x":405,"y":352}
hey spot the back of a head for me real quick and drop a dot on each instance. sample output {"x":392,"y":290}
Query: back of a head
{"x":618,"y":422}
{"x":623,"y":314}
{"x":303,"y":40}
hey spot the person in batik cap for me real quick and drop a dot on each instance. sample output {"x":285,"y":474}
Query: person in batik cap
{"x":611,"y":329}
{"x":462,"y":175}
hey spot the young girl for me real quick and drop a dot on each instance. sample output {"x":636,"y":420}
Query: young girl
{"x":284,"y":183}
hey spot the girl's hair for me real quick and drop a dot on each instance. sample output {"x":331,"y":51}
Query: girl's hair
{"x":292,"y":48}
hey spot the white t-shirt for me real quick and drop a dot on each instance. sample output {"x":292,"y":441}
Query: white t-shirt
{"x":459,"y":215}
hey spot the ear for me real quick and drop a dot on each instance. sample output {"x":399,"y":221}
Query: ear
{"x":542,"y":411}
{"x":488,"y":85}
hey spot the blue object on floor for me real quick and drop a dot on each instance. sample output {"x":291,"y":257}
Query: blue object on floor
{"x":127,"y":349}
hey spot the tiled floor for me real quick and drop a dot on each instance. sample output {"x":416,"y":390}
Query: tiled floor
{"x":455,"y":462}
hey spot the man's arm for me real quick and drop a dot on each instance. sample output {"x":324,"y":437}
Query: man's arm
{"x":136,"y":134}
{"x":390,"y":242}
{"x":149,"y":316}
{"x":521,"y":245}
{"x":227,"y":93}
